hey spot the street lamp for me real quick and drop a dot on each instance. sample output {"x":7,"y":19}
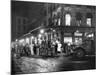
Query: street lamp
{"x":32,"y":37}
{"x":42,"y":31}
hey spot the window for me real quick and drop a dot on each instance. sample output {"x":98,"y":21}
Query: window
{"x":67,"y":39}
{"x":68,"y":19}
{"x":89,"y":19}
{"x":55,"y":22}
{"x":21,"y":20}
{"x":59,"y":21}
{"x":25,"y":20}
{"x":78,"y":18}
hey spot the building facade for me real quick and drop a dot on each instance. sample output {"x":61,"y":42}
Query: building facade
{"x":65,"y":24}
{"x":73,"y":23}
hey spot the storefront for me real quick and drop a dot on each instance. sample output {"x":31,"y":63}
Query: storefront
{"x":43,"y":41}
{"x":70,"y":35}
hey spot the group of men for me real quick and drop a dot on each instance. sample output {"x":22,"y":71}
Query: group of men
{"x":46,"y":47}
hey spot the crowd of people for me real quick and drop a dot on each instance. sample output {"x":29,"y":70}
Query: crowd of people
{"x":45,"y":48}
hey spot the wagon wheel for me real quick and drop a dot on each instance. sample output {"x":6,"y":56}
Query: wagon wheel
{"x":80,"y":53}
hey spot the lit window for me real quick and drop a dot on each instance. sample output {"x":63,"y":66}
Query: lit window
{"x":89,"y":21}
{"x":59,"y":21}
{"x":68,"y":19}
{"x":78,"y":18}
{"x":78,"y":22}
{"x":91,"y":35}
{"x":55,"y":22}
{"x":67,"y":39}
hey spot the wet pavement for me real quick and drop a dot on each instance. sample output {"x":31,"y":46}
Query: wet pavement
{"x":52,"y":64}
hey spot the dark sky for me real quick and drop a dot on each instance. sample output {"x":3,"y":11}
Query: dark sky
{"x":34,"y":11}
{"x":28,"y":9}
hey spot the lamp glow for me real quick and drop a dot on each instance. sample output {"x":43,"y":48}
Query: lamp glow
{"x":27,"y":40}
{"x":16,"y":40}
{"x":32,"y":37}
{"x":41,"y":31}
{"x":22,"y":40}
{"x":40,"y":35}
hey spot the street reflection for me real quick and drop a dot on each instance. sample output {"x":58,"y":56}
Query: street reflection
{"x":29,"y":65}
{"x":54,"y":64}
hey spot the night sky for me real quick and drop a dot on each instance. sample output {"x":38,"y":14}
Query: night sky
{"x":34,"y":11}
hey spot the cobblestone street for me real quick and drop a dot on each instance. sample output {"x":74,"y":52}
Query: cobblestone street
{"x":35,"y":65}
